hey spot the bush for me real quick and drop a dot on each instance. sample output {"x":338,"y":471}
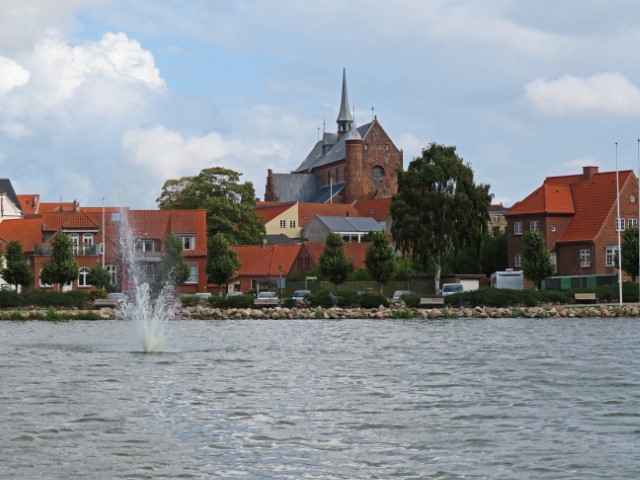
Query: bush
{"x":188,"y":300}
{"x":612,"y":292}
{"x":215,"y":300}
{"x":42,"y":298}
{"x":97,"y":293}
{"x":402,"y":313}
{"x":411,"y":300}
{"x":373,"y":300}
{"x":11,"y":299}
{"x":239,"y":301}
{"x":495,"y":297}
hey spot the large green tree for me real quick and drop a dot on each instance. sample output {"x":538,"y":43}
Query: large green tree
{"x":173,"y":268}
{"x":100,"y":277}
{"x":62,"y":267}
{"x":222,"y":262}
{"x":536,"y":261}
{"x":17,"y":271}
{"x":629,"y":247}
{"x":228,"y":202}
{"x":333,"y":264}
{"x":379,"y":258}
{"x":438,"y":208}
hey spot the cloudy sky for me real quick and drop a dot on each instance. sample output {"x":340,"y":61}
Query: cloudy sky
{"x":110,"y":98}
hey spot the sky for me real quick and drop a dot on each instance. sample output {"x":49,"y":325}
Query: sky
{"x":102,"y":101}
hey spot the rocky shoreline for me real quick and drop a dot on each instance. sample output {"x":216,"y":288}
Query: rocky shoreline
{"x":200,"y":312}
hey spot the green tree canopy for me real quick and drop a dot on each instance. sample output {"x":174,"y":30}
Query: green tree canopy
{"x":222,"y":262}
{"x":62,"y":267}
{"x":100,"y":277}
{"x":173,"y":268}
{"x":333,"y":264}
{"x":629,"y":247}
{"x":379,"y":258}
{"x":17,"y":271}
{"x":438,"y":207}
{"x":536,"y":261}
{"x":229,"y":203}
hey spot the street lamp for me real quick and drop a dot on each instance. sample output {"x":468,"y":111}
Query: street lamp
{"x":280,"y":282}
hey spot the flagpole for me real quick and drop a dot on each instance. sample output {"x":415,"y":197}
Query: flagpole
{"x":618,"y":225}
{"x":638,"y":223}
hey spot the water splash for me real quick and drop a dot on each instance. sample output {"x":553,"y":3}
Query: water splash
{"x":150,"y":311}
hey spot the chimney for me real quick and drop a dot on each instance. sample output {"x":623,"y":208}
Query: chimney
{"x":589,"y":172}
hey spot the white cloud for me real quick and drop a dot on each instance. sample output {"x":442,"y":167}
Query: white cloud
{"x":605,"y":93}
{"x":15,"y":130}
{"x":163,"y":154}
{"x":12,"y":75}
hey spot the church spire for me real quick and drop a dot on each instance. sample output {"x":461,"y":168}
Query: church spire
{"x":345,"y":119}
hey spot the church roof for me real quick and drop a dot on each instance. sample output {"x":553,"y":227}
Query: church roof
{"x":335,"y":153}
{"x":295,"y":187}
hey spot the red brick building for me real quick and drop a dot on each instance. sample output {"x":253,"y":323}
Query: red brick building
{"x":96,"y":236}
{"x":577,"y":215}
{"x":355,"y":163}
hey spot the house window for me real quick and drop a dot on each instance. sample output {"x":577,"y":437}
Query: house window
{"x":292,"y":224}
{"x":554,"y":258}
{"x":283,"y":224}
{"x":387,"y":147}
{"x":87,"y":238}
{"x":366,"y":147}
{"x":620,"y":225}
{"x":496,"y":218}
{"x":112,"y":271}
{"x":82,"y":278}
{"x":517,"y":261}
{"x":585,"y":258}
{"x":188,"y":242}
{"x":534,"y":225}
{"x":144,"y":245}
{"x":193,"y":273}
{"x":517,"y":228}
{"x":40,"y":283}
{"x":610,"y":256}
{"x":75,"y":241}
{"x":632,"y":222}
{"x":378,"y":172}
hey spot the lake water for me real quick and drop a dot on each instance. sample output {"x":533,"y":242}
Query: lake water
{"x":472,"y":399}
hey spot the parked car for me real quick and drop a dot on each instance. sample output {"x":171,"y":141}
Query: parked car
{"x":233,"y":294}
{"x":397,"y":295}
{"x":7,"y":287}
{"x":268,"y":295}
{"x":451,"y":288}
{"x":299,"y":295}
{"x":202,"y":295}
{"x":267,"y":298}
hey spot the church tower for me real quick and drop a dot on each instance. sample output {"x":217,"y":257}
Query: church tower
{"x":345,"y":119}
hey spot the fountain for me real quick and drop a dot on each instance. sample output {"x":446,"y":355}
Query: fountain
{"x":149,"y":311}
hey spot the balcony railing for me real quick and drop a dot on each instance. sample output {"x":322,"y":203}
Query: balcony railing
{"x":46,"y":249}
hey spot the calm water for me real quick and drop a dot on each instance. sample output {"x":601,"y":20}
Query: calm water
{"x":322,"y":399}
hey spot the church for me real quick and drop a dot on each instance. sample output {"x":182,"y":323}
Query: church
{"x":355,"y":163}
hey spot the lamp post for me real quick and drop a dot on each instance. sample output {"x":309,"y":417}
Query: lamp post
{"x":280,"y":281}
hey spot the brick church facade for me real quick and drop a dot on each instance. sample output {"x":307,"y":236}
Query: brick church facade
{"x":355,"y":163}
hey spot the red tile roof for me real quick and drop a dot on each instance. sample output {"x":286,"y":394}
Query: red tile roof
{"x":355,"y":251}
{"x":29,"y":203}
{"x":57,"y":207}
{"x":265,"y":261}
{"x":589,"y":199}
{"x":52,"y":221}
{"x":271,"y":210}
{"x":378,"y":208}
{"x":27,"y":231}
{"x":306,"y":211}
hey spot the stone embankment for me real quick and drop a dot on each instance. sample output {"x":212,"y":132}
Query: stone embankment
{"x":282,"y":313}
{"x":201,"y":312}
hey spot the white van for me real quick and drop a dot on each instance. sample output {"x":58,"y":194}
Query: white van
{"x":451,"y":288}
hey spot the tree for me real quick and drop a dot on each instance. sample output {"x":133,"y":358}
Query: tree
{"x":229,"y":203}
{"x":536,"y":261}
{"x":379,"y":258}
{"x":629,"y":247}
{"x":100,"y":277}
{"x":438,"y":208}
{"x":222,"y":262}
{"x":62,"y":267}
{"x":173,"y":268}
{"x":333,"y":264}
{"x":17,"y":271}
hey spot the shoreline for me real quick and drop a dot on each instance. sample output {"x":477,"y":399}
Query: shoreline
{"x":200,"y":312}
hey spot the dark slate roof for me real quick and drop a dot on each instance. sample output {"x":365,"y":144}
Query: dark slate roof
{"x":6,"y":187}
{"x":291,"y":187}
{"x":352,"y":224}
{"x":281,"y":239}
{"x":336,"y":153}
{"x":324,"y":193}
